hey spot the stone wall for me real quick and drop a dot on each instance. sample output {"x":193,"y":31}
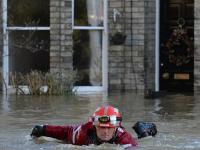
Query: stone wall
{"x":126,"y":62}
{"x":132,"y":64}
{"x":149,"y":39}
{"x":116,"y":53}
{"x":60,"y":36}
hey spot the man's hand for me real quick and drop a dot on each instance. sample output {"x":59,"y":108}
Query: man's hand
{"x":38,"y":131}
{"x":144,"y":129}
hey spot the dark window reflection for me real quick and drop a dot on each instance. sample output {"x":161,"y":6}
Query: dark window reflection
{"x":88,"y":12}
{"x":28,"y":50}
{"x":28,"y":13}
{"x":81,"y":56}
{"x":87,"y":57}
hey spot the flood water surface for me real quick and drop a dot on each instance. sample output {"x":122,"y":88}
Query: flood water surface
{"x":177,"y":118}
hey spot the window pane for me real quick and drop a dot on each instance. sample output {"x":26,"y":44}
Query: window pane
{"x":87,"y":57}
{"x":88,"y":13}
{"x":28,"y":50}
{"x":28,"y":13}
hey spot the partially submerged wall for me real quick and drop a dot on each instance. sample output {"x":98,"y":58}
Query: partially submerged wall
{"x":60,"y":36}
{"x":131,"y":65}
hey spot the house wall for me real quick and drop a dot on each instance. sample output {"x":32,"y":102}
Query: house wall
{"x":149,"y":43}
{"x":131,"y":66}
{"x":60,"y":36}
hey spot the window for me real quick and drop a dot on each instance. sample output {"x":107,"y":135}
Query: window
{"x":27,"y":37}
{"x":90,"y":42}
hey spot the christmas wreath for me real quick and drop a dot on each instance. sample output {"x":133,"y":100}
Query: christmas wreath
{"x":179,"y":48}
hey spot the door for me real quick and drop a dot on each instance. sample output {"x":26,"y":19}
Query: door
{"x":177,"y":45}
{"x":90,"y":44}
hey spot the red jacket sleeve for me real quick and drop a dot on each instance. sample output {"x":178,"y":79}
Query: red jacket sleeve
{"x":125,"y":139}
{"x":64,"y":133}
{"x":70,"y":134}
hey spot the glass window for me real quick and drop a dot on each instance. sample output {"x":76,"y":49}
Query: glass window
{"x":87,"y":57}
{"x":28,"y":13}
{"x":28,"y":50}
{"x":88,"y":12}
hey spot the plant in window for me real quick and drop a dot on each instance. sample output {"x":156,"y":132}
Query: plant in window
{"x":38,"y":83}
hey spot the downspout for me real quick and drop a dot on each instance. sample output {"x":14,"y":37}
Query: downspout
{"x":157,"y":47}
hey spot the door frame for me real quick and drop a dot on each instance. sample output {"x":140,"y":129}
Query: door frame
{"x":104,"y":29}
{"x":158,"y":70}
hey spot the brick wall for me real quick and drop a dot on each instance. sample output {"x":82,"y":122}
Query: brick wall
{"x":131,"y":65}
{"x":60,"y":36}
{"x":126,"y":62}
{"x":149,"y":39}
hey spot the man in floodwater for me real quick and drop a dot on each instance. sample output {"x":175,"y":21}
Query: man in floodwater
{"x":103,"y":127}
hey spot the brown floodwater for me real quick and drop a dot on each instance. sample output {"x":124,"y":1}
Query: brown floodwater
{"x":177,"y":118}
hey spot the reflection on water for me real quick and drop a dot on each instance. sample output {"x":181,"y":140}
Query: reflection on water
{"x":177,"y":118}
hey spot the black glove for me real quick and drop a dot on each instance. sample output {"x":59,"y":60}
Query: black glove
{"x":38,"y":131}
{"x":144,"y":129}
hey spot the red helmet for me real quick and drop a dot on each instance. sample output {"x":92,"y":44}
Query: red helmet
{"x":107,"y":116}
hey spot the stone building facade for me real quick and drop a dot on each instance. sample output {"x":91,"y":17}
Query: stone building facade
{"x":131,"y":66}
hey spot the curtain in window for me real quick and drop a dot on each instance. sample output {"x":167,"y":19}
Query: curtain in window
{"x":95,"y":13}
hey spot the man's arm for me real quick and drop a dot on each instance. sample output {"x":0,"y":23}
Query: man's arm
{"x":125,"y":139}
{"x":64,"y":133}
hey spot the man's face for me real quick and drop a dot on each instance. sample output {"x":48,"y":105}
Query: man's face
{"x":105,"y":133}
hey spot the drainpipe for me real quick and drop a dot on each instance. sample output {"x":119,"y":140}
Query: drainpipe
{"x":157,"y":47}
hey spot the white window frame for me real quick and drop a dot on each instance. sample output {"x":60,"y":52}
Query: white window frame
{"x":104,"y":29}
{"x":6,"y":30}
{"x":157,"y":48}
